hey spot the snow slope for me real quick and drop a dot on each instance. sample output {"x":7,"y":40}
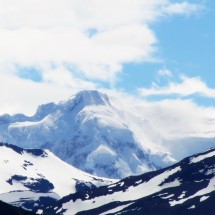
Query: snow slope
{"x":187,"y":188}
{"x":35,"y":175}
{"x":92,"y":132}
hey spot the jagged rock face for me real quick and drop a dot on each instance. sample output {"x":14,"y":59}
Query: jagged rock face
{"x":87,"y":132}
{"x":188,"y":187}
{"x":7,"y":209}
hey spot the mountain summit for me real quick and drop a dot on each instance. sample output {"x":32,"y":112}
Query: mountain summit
{"x":88,"y":131}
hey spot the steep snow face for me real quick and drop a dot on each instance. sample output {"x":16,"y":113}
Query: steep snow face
{"x":91,"y":132}
{"x":29,"y":175}
{"x":184,"y":188}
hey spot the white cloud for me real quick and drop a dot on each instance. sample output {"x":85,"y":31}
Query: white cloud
{"x":86,"y":14}
{"x":165,"y":72}
{"x":98,"y":57}
{"x":37,"y":33}
{"x":168,"y":119}
{"x":188,"y":86}
{"x":19,"y":95}
{"x":183,"y":8}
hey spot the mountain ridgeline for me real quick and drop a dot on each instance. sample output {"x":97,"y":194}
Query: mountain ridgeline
{"x":85,"y":156}
{"x":32,"y":178}
{"x":187,"y":188}
{"x":87,"y":131}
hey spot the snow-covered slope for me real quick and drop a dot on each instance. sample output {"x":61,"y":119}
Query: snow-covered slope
{"x":90,"y":131}
{"x":187,"y":188}
{"x":35,"y":176}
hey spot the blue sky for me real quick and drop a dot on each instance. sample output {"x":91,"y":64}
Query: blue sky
{"x":152,"y":50}
{"x":185,"y":47}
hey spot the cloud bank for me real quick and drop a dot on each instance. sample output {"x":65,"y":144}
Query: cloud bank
{"x":50,"y":48}
{"x":187,"y":86}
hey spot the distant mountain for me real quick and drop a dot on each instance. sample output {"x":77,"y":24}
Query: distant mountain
{"x":33,"y":178}
{"x":187,"y":188}
{"x":6,"y":209}
{"x":92,"y":132}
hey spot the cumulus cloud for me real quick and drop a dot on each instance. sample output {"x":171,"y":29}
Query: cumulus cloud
{"x":186,"y":87}
{"x":163,"y":121}
{"x":33,"y":32}
{"x":180,"y":125}
{"x":183,"y":8}
{"x":18,"y":95}
{"x":99,"y":57}
{"x":74,"y":43}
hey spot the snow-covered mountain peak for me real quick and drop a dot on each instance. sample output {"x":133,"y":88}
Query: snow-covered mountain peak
{"x":82,"y":131}
{"x":84,"y":99}
{"x":33,"y":175}
{"x":92,"y":97}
